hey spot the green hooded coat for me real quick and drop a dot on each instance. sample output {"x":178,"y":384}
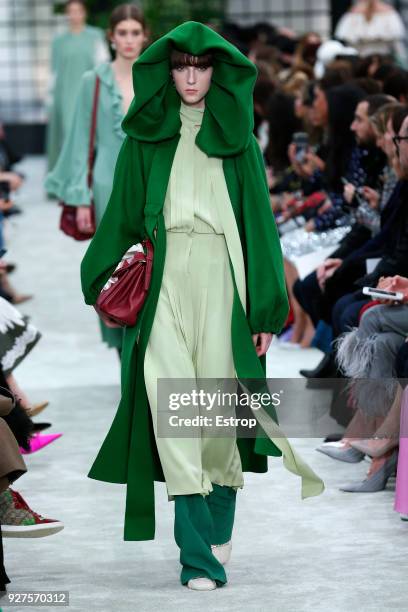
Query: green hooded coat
{"x":129,"y":454}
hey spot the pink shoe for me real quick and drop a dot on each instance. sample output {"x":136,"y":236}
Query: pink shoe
{"x":38,"y":441}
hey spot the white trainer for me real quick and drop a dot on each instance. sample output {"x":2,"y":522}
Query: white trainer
{"x":222,"y":552}
{"x":202,"y":583}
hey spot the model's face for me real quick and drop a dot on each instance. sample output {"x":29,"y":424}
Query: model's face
{"x":320,"y":108}
{"x":128,"y":38}
{"x":362,"y":126}
{"x":76,"y":14}
{"x":192,"y":83}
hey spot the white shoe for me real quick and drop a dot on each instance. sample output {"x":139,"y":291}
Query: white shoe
{"x":202,"y":583}
{"x":222,"y":552}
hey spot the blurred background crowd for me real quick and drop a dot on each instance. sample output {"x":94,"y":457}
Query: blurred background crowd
{"x":331,"y":117}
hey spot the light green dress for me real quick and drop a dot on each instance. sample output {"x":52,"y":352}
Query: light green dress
{"x":68,"y":180}
{"x":72,"y":54}
{"x":191,"y":332}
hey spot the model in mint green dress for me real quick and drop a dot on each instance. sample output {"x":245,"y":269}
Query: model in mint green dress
{"x":190,"y":325}
{"x":72,"y":54}
{"x":68,"y":180}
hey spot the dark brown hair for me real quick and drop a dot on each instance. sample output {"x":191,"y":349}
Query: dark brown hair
{"x":81,"y":2}
{"x":180,"y":58}
{"x":126,"y":11}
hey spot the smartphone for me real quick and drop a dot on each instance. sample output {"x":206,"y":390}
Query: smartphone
{"x":380,"y":294}
{"x":301,"y":141}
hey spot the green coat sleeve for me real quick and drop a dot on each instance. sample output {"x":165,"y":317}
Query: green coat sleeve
{"x":122,"y":224}
{"x":68,"y":180}
{"x":268,"y":304}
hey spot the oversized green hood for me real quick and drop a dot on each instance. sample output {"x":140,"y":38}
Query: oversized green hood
{"x":228,"y":117}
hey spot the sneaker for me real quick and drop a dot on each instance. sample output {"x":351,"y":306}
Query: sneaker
{"x":202,"y":583}
{"x":222,"y":552}
{"x":19,"y":521}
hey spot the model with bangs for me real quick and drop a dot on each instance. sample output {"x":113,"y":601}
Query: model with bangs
{"x":179,"y":59}
{"x":190,"y":177}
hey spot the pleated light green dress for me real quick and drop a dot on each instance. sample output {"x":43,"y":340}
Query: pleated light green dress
{"x":72,"y":54}
{"x":191,"y":333}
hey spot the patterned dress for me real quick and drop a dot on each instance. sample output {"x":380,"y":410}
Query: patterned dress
{"x":17,"y":337}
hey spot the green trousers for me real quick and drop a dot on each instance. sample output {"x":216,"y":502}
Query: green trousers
{"x":199,"y":521}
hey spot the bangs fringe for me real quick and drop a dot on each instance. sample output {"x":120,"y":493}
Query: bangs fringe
{"x":179,"y":59}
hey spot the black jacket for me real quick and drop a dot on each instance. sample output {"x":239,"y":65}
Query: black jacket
{"x":395,"y":249}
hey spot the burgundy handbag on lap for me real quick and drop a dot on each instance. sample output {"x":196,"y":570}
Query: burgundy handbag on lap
{"x":123,"y":296}
{"x":68,"y":222}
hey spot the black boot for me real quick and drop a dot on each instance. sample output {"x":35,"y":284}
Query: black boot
{"x":333,"y":437}
{"x":326,"y":368}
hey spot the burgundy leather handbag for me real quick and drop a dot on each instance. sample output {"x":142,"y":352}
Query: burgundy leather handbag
{"x":123,"y":296}
{"x":68,"y":222}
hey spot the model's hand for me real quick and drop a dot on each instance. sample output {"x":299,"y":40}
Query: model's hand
{"x":84,"y":219}
{"x":262,"y":342}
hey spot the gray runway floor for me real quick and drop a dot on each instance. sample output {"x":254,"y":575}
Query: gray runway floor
{"x":338,"y":551}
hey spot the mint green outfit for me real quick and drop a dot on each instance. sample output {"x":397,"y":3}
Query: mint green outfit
{"x":68,"y":180}
{"x":202,"y":474}
{"x":72,"y":54}
{"x":192,"y":324}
